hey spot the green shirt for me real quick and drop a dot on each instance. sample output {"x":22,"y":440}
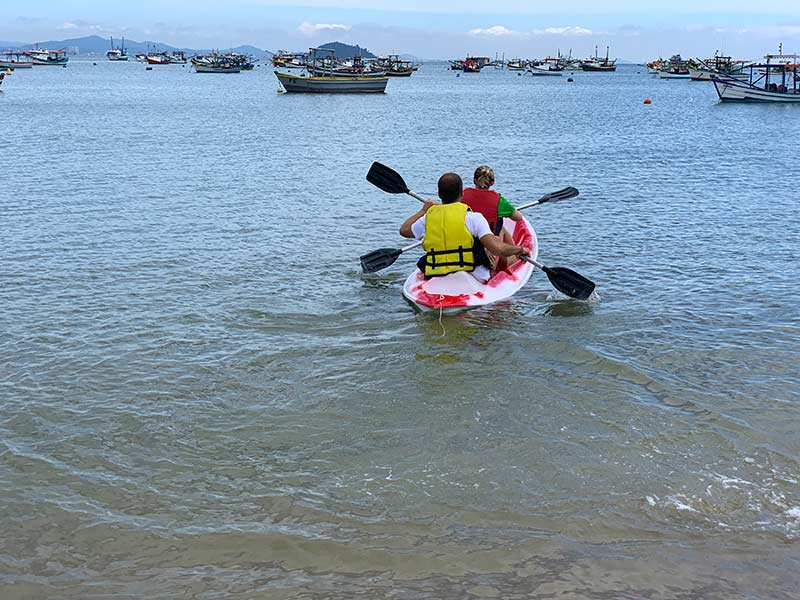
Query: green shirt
{"x":504,"y":208}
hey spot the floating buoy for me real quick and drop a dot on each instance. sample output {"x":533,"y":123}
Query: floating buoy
{"x":8,"y":71}
{"x":94,"y":64}
{"x":648,"y":101}
{"x":148,"y":68}
{"x":570,"y":79}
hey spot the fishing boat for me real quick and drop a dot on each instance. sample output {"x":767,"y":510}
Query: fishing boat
{"x":288,"y":60}
{"x":219,"y":65}
{"x":42,"y":57}
{"x":456,"y":65}
{"x":517,"y":64}
{"x":719,"y":65}
{"x":779,"y":81}
{"x":393,"y":66}
{"x":548,"y":67}
{"x":354,"y":69}
{"x":157,"y":58}
{"x":470,"y":66}
{"x":117,"y":54}
{"x":177,"y":57}
{"x":329,"y":83}
{"x":675,"y":68}
{"x":459,"y":291}
{"x":597,"y":64}
{"x":15,"y":60}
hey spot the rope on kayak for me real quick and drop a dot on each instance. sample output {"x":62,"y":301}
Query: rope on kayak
{"x":441,"y":304}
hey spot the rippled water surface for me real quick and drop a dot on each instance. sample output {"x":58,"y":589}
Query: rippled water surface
{"x":201,"y":396}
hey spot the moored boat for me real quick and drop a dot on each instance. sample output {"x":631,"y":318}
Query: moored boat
{"x":14,"y":60}
{"x":157,"y":58}
{"x":460,"y":290}
{"x":117,"y":54}
{"x":597,"y":64}
{"x":42,"y":57}
{"x":779,"y":81}
{"x":328,"y":83}
{"x":332,"y":85}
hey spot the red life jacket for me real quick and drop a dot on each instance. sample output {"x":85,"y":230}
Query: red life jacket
{"x":484,"y":202}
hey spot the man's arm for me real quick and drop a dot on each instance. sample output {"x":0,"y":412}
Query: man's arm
{"x":405,"y":228}
{"x":499,"y":248}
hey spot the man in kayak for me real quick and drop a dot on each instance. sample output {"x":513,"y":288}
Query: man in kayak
{"x":453,"y":237}
{"x":493,"y":206}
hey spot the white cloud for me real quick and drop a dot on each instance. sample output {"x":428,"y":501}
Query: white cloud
{"x":497,"y":30}
{"x":572,"y":30}
{"x":313,"y":28}
{"x":67,"y":25}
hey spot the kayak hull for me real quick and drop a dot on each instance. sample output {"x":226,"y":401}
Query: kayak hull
{"x":460,"y":291}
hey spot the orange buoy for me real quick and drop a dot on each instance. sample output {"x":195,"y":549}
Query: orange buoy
{"x":648,"y":101}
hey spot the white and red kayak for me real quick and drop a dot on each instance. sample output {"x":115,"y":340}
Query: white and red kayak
{"x":460,"y":290}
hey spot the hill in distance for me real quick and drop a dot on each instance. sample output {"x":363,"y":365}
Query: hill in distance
{"x":347,"y":51}
{"x":96,"y":45}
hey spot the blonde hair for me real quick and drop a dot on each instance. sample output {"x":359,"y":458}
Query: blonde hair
{"x":484,"y":177}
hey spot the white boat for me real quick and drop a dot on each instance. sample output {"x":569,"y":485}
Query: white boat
{"x":459,"y":291}
{"x":41,"y":57}
{"x":677,"y":74}
{"x":117,"y":54}
{"x":538,"y":71}
{"x":777,"y":81}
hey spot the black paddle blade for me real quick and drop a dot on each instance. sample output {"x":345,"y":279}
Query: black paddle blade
{"x":565,"y":194}
{"x":379,"y":259}
{"x":387,"y":179}
{"x":569,"y":282}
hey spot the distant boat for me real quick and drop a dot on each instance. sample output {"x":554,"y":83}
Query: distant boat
{"x":394,"y":66}
{"x":718,"y":65}
{"x":288,"y":60}
{"x":470,"y":66}
{"x":516,"y":64}
{"x":41,"y":57}
{"x":178,"y":57}
{"x":14,"y":61}
{"x":599,"y":64}
{"x":549,"y":66}
{"x":778,"y":82}
{"x":117,"y":54}
{"x":157,"y":58}
{"x":676,"y":68}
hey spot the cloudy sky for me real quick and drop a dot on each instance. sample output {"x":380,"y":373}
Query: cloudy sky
{"x":427,"y":28}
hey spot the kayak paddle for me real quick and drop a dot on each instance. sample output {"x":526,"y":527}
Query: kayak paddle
{"x":385,"y":257}
{"x":389,"y":181}
{"x":566,"y":281}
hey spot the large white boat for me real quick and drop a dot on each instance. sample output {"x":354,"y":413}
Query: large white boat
{"x":42,"y":57}
{"x":779,"y":81}
{"x":117,"y":54}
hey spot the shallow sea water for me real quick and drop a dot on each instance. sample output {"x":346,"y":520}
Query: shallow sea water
{"x":202,"y":396}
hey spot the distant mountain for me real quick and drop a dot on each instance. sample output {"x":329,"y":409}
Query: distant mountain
{"x":11,"y":45}
{"x":96,"y":45}
{"x":347,"y":51}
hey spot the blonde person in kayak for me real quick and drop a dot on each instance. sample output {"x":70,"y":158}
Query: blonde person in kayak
{"x":494,"y":207}
{"x":454,"y":237}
